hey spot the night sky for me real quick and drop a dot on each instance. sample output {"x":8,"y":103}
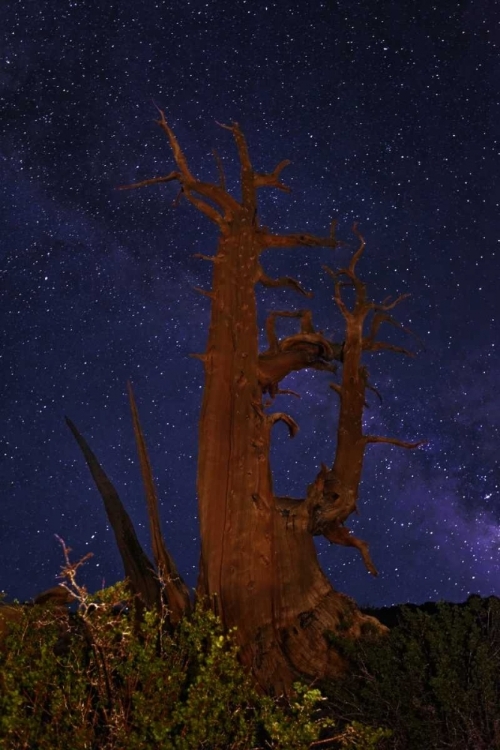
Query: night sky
{"x":389,"y":112}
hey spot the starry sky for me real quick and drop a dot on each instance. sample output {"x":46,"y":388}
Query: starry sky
{"x":388,"y":112}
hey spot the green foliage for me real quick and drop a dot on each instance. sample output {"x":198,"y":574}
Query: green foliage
{"x":99,"y":679}
{"x":363,"y":737}
{"x":434,"y":681}
{"x":298,"y":727}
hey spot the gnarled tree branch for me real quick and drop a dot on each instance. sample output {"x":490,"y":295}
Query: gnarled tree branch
{"x":333,"y":496}
{"x":248,"y":193}
{"x":304,"y":349}
{"x":338,"y":534}
{"x":220,"y":169}
{"x":152,"y":181}
{"x":394,"y":441}
{"x":278,"y":416}
{"x":266,"y":280}
{"x":268,"y":240}
{"x":378,"y":346}
{"x":272,"y":179}
{"x":215,"y":194}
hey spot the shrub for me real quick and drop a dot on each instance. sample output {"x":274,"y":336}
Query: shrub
{"x":434,"y":681}
{"x":104,"y":678}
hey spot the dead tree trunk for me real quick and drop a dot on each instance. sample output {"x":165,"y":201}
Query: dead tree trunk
{"x":258,"y":564}
{"x":149,"y":584}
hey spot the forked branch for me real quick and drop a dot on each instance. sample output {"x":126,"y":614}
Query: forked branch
{"x":248,"y":194}
{"x":191,"y":187}
{"x":272,"y":179}
{"x":381,"y":316}
{"x":333,"y":496}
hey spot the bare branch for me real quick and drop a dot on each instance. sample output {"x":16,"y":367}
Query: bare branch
{"x":201,"y":187}
{"x":210,"y":295}
{"x":306,"y":325}
{"x":178,"y":197}
{"x":220,"y":169}
{"x":278,"y":416}
{"x":226,"y":127}
{"x":242,"y":146}
{"x":328,"y":350}
{"x":295,"y":240}
{"x":247,"y":173}
{"x":361,"y":305}
{"x":179,"y":157}
{"x":217,"y":195}
{"x":189,"y":184}
{"x":333,"y":232}
{"x":382,"y":317}
{"x":272,"y":179}
{"x":152,"y":181}
{"x":334,"y":494}
{"x":301,"y":340}
{"x":393,"y":441}
{"x":374,"y":390}
{"x":387,"y":305}
{"x":337,"y":294}
{"x":378,"y":346}
{"x":376,"y":322}
{"x":359,"y":252}
{"x":296,"y":352}
{"x":339,"y":534}
{"x":206,"y":208}
{"x":212,"y":258}
{"x":266,"y":280}
{"x":272,"y":338}
{"x":287,"y":392}
{"x":331,"y":272}
{"x":337,"y":388}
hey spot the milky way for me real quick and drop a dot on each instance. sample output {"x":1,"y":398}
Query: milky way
{"x":388,"y":112}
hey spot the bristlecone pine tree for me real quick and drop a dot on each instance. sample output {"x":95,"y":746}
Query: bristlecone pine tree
{"x":259,"y":567}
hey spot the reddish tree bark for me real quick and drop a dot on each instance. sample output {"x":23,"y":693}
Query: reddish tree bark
{"x":258,"y":563}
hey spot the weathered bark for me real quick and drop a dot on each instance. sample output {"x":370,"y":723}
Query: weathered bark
{"x":258,"y":560}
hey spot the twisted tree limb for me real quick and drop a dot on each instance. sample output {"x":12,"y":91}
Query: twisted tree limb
{"x":304,"y":349}
{"x":333,"y":496}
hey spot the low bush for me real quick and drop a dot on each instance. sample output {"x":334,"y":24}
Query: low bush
{"x":104,"y":678}
{"x":434,"y":681}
